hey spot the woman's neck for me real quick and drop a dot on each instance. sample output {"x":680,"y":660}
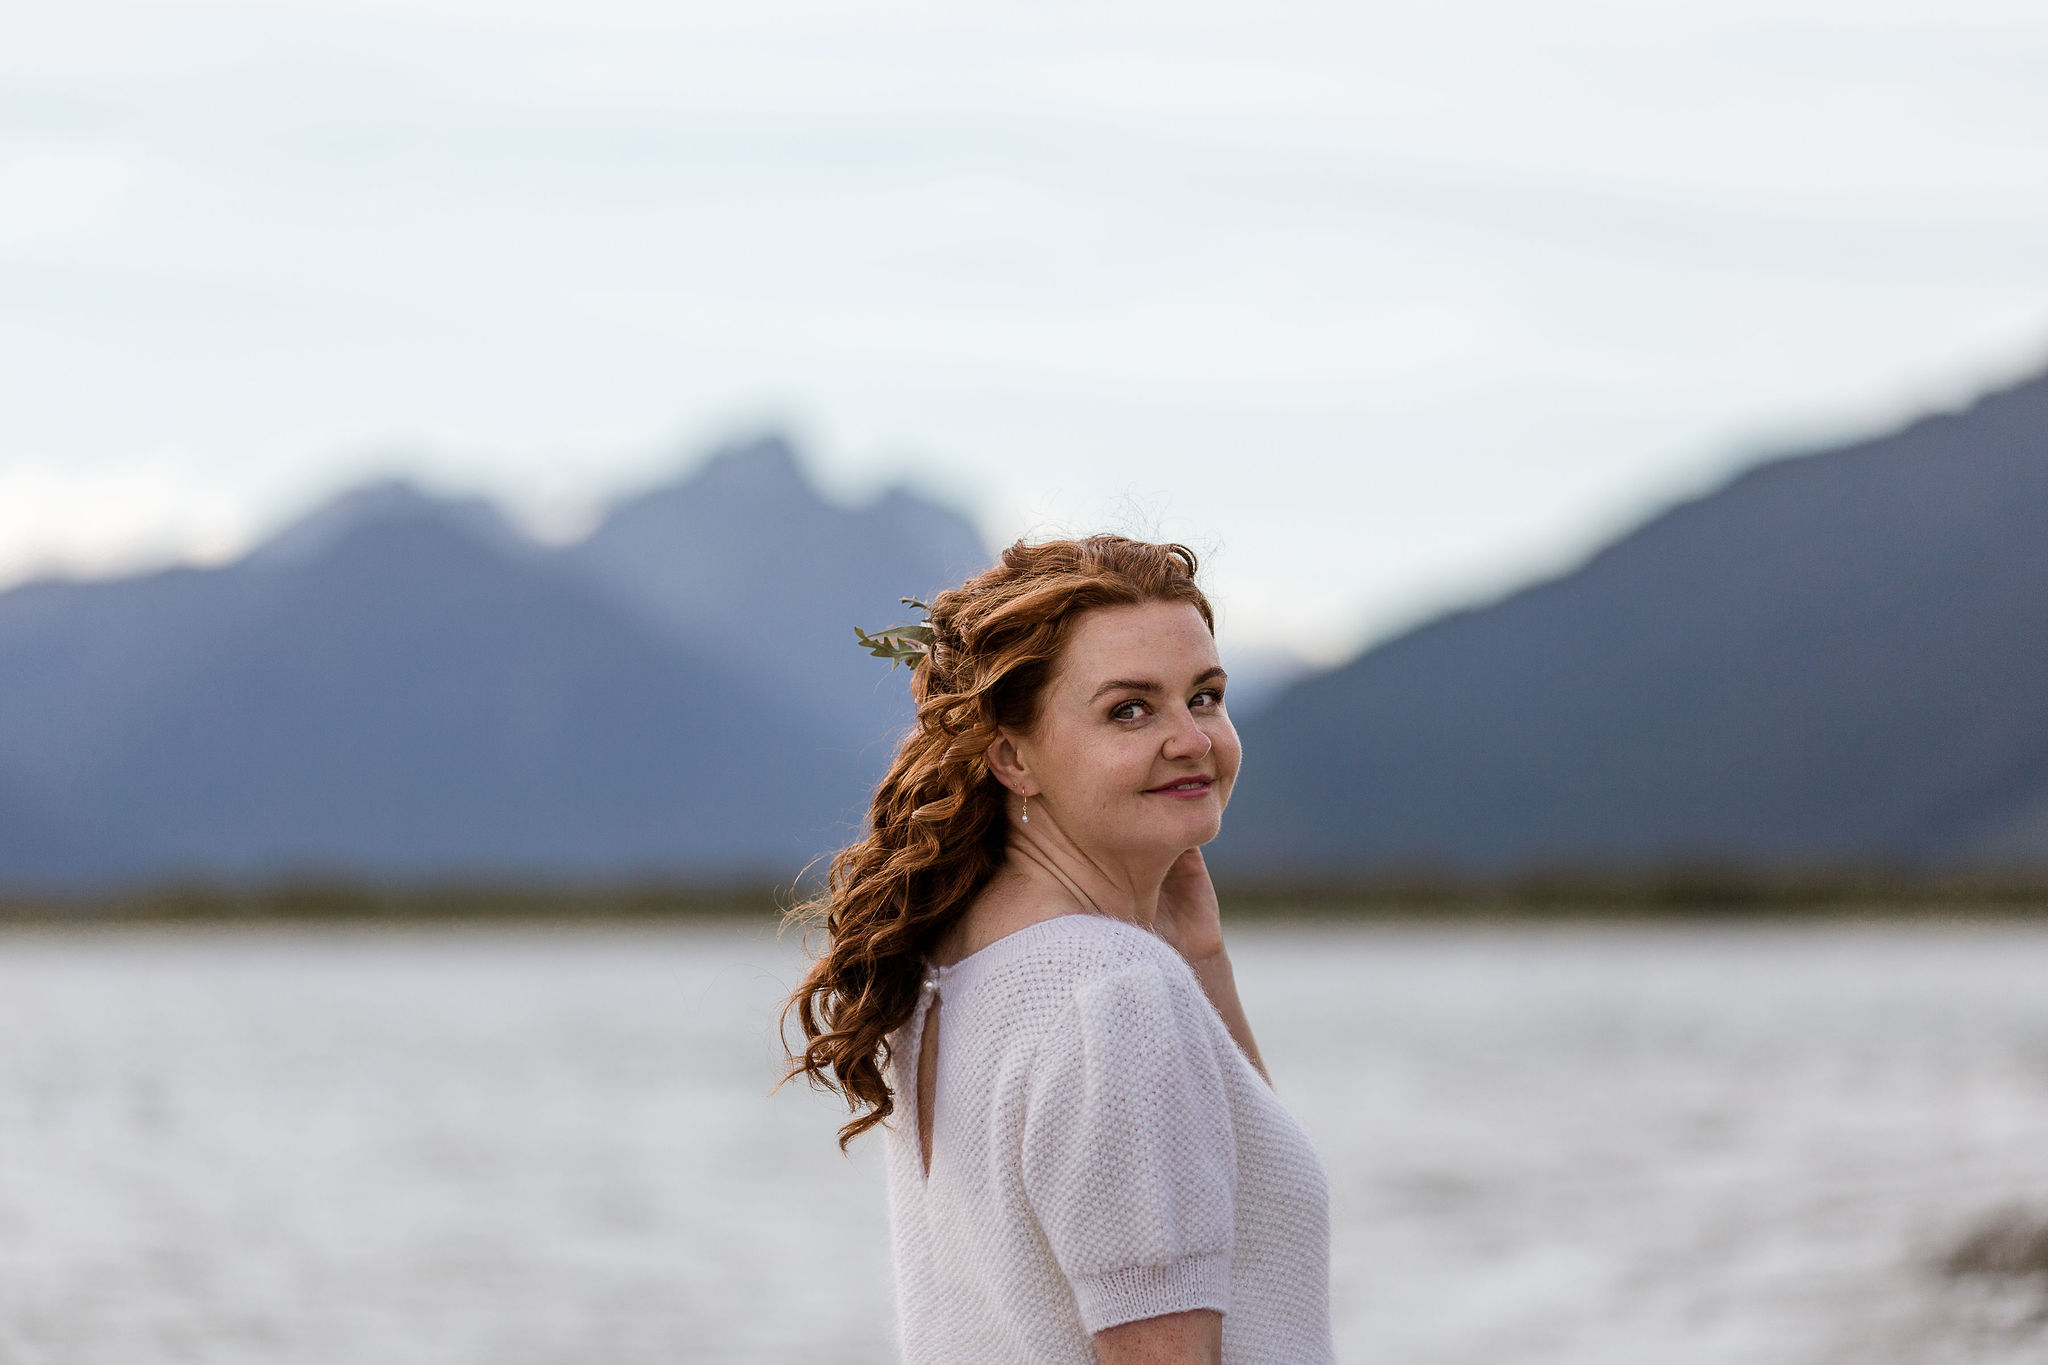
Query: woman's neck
{"x":1042,"y":869}
{"x":1045,"y":874}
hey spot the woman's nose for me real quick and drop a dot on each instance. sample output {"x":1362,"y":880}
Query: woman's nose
{"x":1188,"y":740}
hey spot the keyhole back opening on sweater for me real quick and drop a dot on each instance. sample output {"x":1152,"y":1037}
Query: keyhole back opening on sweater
{"x":927,"y":1079}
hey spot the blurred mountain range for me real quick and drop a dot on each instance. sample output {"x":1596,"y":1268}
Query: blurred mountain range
{"x":399,"y":685}
{"x":1837,"y":657}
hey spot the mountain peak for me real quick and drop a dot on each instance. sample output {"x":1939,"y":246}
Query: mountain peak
{"x":762,"y":467}
{"x":382,"y":502}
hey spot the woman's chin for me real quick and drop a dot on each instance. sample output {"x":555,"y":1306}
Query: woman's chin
{"x":1196,"y":828}
{"x":1178,"y":826}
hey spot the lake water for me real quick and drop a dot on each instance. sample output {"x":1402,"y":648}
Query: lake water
{"x":531,"y":1146}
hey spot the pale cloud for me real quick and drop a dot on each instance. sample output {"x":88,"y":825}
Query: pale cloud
{"x":53,"y":188}
{"x":1393,"y":302}
{"x":144,"y":512}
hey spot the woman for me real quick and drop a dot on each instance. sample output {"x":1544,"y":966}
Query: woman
{"x":1025,"y":971}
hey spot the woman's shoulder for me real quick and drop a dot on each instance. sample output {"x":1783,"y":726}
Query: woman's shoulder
{"x":1079,"y":944}
{"x":1054,"y":961}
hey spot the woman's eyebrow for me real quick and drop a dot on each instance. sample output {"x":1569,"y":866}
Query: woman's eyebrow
{"x":1141,"y":685}
{"x":1121,"y":684}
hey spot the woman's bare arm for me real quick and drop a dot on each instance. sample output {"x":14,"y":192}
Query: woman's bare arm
{"x":1219,"y":983}
{"x":1191,"y":1338}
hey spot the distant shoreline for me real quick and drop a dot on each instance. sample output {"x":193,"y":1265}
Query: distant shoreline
{"x":1666,"y":894}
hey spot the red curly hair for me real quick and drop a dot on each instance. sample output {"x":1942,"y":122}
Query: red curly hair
{"x":936,"y":829}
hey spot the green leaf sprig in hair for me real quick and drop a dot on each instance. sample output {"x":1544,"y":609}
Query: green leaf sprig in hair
{"x":900,"y":644}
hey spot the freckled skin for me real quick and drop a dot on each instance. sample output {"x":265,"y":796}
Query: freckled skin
{"x":1093,"y":759}
{"x":1191,"y":1338}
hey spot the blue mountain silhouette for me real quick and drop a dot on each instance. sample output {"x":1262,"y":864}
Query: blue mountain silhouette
{"x":400,"y":685}
{"x":1839,"y":657}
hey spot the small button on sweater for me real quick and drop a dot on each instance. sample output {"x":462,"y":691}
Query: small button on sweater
{"x":1102,"y":1151}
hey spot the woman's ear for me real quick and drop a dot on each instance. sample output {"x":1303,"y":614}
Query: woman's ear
{"x":1007,"y":762}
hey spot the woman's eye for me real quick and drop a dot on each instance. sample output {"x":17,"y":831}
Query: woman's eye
{"x":1215,"y":697}
{"x":1126,"y":710}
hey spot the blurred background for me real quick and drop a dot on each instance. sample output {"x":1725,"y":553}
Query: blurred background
{"x":444,"y":451}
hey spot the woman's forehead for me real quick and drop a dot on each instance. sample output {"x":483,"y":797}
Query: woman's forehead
{"x":1160,"y":640}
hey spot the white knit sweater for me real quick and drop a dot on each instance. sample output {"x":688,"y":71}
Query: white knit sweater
{"x":1102,"y":1151}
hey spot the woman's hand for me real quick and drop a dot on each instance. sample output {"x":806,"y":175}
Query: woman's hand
{"x":1191,"y":921}
{"x":1189,"y":917}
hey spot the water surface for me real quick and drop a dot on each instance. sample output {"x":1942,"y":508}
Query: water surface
{"x":536,"y":1146}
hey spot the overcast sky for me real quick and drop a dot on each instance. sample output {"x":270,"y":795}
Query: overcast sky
{"x":1383,"y":305}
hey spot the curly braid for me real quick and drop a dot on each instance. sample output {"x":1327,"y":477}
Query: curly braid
{"x":936,"y":828}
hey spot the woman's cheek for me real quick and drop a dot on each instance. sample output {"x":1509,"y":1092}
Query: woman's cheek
{"x":1229,"y":755}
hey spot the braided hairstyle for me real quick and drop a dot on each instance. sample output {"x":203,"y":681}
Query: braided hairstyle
{"x":936,"y":829}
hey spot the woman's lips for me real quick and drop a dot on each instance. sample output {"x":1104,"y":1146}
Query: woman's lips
{"x":1187,"y":788}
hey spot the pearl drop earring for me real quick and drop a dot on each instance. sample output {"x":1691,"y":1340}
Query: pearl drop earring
{"x":1026,"y":816}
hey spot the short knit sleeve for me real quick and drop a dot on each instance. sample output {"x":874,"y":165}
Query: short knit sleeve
{"x":1129,"y":1159}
